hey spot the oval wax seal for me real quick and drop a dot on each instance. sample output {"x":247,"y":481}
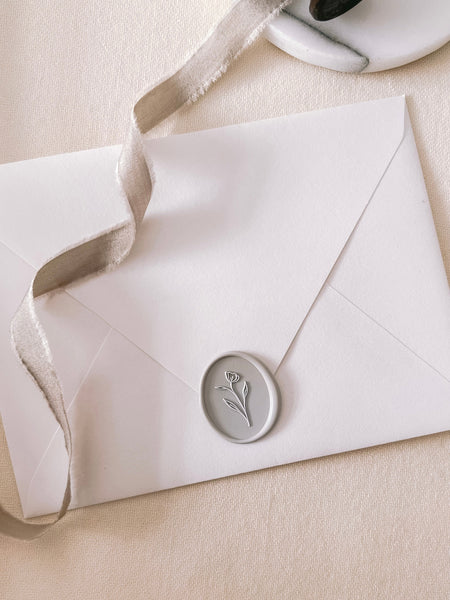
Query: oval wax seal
{"x":239,"y":397}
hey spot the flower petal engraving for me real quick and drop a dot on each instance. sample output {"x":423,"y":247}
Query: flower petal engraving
{"x":231,"y":377}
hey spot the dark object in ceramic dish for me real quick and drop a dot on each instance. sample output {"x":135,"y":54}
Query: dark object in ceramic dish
{"x":324,"y":10}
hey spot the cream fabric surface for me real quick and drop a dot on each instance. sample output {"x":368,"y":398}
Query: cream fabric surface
{"x":370,"y":524}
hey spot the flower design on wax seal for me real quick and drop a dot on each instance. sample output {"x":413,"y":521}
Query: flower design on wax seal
{"x":239,"y":404}
{"x":232,"y":377}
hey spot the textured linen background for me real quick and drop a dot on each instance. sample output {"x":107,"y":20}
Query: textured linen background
{"x":367,"y":524}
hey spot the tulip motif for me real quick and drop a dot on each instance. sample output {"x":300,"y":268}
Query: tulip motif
{"x":239,"y":404}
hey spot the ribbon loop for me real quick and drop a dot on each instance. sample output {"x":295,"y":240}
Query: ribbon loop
{"x":239,"y":28}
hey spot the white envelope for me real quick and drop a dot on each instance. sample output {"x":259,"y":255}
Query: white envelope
{"x":306,"y":241}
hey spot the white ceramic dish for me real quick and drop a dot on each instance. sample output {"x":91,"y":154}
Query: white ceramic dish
{"x":373,"y":36}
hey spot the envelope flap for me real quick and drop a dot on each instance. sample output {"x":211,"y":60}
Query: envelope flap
{"x":245,"y":224}
{"x":49,"y":203}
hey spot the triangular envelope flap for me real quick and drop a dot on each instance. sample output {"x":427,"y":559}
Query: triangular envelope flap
{"x":392,"y":267}
{"x":244,"y":226}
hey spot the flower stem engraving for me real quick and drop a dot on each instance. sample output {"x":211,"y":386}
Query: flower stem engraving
{"x":239,"y":405}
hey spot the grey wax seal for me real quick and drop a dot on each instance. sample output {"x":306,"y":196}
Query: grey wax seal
{"x":239,"y":397}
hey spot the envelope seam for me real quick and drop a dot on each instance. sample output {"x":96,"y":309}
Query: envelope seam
{"x":17,"y":255}
{"x":67,"y":291}
{"x":325,"y":282}
{"x":131,"y":342}
{"x":388,"y":332}
{"x":55,"y":433}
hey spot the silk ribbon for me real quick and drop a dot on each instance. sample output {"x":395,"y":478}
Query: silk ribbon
{"x":239,"y":28}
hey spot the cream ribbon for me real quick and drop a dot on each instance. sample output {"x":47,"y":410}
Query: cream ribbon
{"x":240,"y":27}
